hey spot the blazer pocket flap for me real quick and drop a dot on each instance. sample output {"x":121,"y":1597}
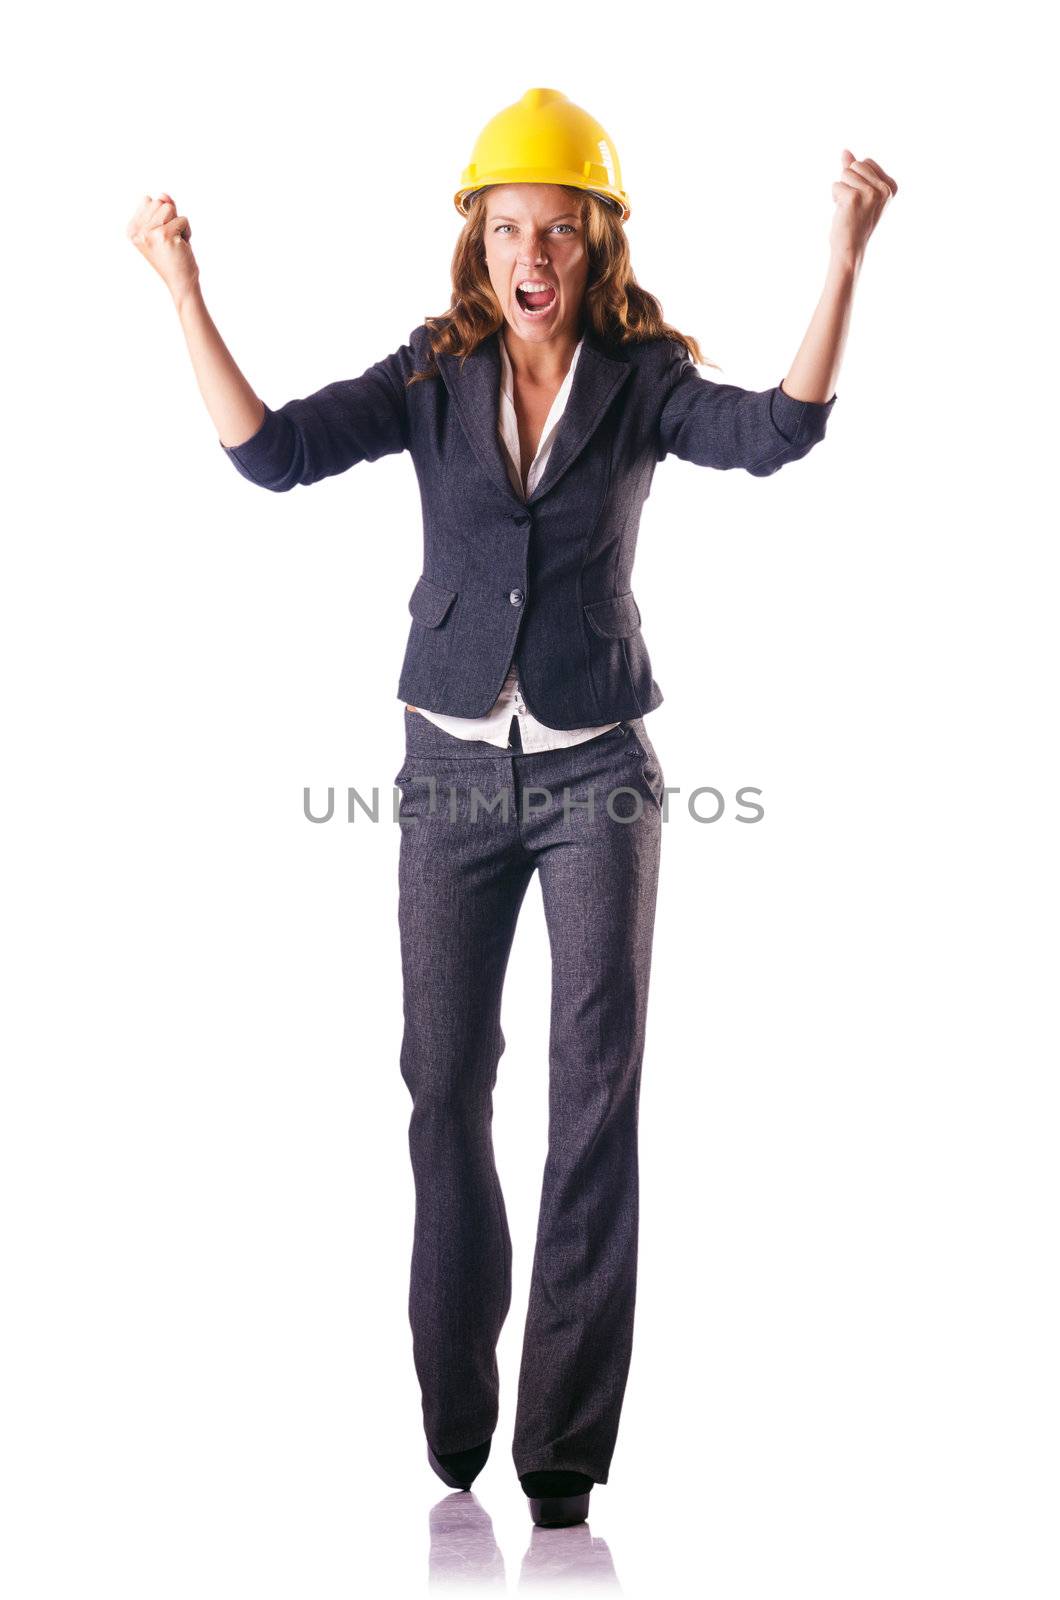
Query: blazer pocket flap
{"x":615,"y":618}
{"x":429,"y":603}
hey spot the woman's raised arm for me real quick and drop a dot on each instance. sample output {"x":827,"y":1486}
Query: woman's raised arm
{"x":860,"y":196}
{"x":761,"y":430}
{"x":355,"y":419}
{"x":164,"y":239}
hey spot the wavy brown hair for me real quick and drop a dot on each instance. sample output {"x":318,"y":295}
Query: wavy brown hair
{"x":615,"y":305}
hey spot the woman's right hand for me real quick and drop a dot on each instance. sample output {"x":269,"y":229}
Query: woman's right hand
{"x":163,"y":238}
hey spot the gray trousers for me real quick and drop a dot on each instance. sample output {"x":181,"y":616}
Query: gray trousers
{"x":465,"y":863}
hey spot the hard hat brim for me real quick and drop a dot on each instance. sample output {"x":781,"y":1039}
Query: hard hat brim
{"x":572,"y":180}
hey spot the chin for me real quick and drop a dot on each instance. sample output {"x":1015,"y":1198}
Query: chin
{"x":531,"y":331}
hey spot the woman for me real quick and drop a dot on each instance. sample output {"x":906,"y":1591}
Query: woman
{"x":535,"y":410}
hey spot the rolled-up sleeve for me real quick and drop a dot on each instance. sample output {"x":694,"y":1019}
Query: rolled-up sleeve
{"x":353,"y":420}
{"x":722,"y":425}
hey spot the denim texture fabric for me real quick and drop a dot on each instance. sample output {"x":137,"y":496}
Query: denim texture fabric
{"x":549,"y":577}
{"x":462,"y":880}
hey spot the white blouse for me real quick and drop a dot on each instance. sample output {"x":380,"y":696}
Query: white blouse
{"x":493,"y":727}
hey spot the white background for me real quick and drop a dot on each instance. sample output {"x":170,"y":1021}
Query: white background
{"x":844,"y":1379}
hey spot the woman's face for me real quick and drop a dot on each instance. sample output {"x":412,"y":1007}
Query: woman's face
{"x":534,"y":235}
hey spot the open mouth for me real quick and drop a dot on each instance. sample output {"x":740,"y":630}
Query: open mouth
{"x":535,"y":299}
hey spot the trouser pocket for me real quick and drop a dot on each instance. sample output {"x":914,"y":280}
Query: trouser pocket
{"x":645,"y":760}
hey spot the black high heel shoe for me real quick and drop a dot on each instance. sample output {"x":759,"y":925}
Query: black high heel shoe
{"x":557,"y":1499}
{"x":460,"y":1468}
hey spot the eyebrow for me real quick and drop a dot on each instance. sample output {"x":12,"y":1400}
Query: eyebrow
{"x":559,"y":218}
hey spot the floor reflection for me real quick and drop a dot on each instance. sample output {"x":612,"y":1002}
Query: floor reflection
{"x":465,"y":1551}
{"x":572,"y":1555}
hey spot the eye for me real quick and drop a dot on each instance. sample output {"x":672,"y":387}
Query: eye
{"x":568,"y":225}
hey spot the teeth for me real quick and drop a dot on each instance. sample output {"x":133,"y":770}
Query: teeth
{"x":533,"y":288}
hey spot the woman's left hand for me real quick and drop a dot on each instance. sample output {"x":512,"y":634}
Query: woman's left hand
{"x":860,"y":196}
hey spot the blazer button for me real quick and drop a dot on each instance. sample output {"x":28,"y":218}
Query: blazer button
{"x":515,"y":596}
{"x":521,"y":519}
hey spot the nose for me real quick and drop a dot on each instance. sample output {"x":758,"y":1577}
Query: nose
{"x":533,"y":251}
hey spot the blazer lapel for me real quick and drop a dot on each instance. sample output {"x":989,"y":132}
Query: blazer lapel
{"x":597,"y":379}
{"x":475,"y":389}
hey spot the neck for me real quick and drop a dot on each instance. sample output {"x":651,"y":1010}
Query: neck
{"x":543,"y":362}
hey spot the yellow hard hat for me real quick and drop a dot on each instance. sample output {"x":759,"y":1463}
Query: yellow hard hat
{"x":544,"y":138}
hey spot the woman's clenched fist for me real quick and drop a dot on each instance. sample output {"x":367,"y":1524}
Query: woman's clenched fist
{"x":860,"y":196}
{"x":164,"y":239}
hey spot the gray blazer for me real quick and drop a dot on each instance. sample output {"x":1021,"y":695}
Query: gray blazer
{"x":549,"y":576}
